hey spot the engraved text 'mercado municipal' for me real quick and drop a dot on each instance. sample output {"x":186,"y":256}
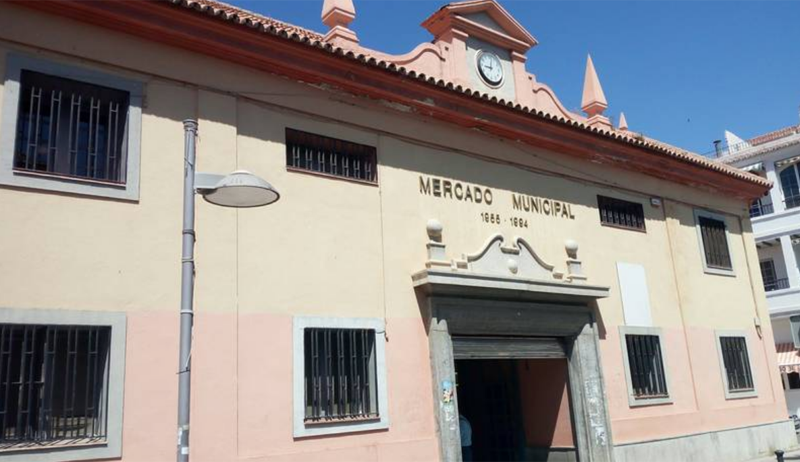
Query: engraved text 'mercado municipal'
{"x":465,"y":192}
{"x":438,"y":187}
{"x":542,"y":206}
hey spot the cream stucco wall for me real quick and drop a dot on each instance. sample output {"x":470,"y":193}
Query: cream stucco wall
{"x":338,"y":248}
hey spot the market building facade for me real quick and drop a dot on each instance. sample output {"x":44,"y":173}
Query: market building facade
{"x":451,"y":242}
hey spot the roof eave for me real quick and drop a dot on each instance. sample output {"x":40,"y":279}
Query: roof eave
{"x":295,"y":56}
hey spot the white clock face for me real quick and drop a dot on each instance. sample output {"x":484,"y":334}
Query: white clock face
{"x":490,"y":68}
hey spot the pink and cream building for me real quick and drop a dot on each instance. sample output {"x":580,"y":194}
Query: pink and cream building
{"x":450,"y":241}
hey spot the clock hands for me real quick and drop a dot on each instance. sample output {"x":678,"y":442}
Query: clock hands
{"x":491,"y":68}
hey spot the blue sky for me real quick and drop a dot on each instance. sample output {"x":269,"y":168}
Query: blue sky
{"x":682,"y":71}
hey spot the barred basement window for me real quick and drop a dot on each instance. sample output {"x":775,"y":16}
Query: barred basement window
{"x":70,"y":128}
{"x":340,"y":375}
{"x":715,"y":242}
{"x":617,"y":212}
{"x":646,"y":364}
{"x":737,"y":364}
{"x":330,"y":156}
{"x":53,"y":383}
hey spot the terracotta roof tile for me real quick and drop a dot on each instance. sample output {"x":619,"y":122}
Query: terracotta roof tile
{"x":313,"y":39}
{"x":774,"y":135}
{"x":242,"y":16}
{"x":761,"y":149}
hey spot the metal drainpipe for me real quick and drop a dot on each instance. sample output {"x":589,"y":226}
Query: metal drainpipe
{"x":187,"y":292}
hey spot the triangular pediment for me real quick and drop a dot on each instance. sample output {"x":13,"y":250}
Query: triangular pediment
{"x":485,"y":19}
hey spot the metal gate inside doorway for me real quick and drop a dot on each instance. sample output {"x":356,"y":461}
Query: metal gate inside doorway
{"x":495,"y":391}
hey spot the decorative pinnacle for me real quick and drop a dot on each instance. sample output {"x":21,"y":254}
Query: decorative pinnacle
{"x":594,"y":100}
{"x":623,"y":124}
{"x":338,"y":13}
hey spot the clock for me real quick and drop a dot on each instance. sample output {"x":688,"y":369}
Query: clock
{"x":490,"y":68}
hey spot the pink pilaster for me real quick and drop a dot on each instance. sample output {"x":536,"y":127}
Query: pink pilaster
{"x":522,"y":80}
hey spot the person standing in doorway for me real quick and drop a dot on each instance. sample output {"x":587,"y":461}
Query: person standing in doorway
{"x":465,"y":429}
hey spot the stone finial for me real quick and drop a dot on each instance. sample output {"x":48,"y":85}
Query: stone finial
{"x":571,"y":247}
{"x":623,"y":124}
{"x":594,"y":100}
{"x":337,"y":15}
{"x":574,"y":266}
{"x":436,"y":249}
{"x":434,"y":229}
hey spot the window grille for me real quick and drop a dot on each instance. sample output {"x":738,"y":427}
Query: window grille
{"x":737,"y":364}
{"x":330,"y":156}
{"x":70,"y":128}
{"x":646,"y":365}
{"x":770,"y":277}
{"x":340,"y":374}
{"x":617,"y":212}
{"x":760,"y":207}
{"x":715,"y":243}
{"x":53,"y":383}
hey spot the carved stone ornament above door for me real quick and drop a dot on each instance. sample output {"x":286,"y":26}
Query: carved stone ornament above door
{"x":511,"y":267}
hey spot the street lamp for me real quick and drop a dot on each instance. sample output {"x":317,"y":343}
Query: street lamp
{"x":239,"y":189}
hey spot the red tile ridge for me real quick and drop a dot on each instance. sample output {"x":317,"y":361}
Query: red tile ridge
{"x":298,"y":34}
{"x":240,"y":15}
{"x":774,"y":135}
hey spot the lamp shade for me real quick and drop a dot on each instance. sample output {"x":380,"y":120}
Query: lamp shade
{"x":240,"y":189}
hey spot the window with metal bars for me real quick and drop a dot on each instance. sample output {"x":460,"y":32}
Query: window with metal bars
{"x":646,"y":365}
{"x":340,"y":375}
{"x":617,"y":212}
{"x":715,"y":242}
{"x":737,"y":364}
{"x":53,"y":383}
{"x":331,"y":156}
{"x":70,"y":128}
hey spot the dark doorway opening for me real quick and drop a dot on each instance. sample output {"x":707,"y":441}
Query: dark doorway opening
{"x":518,"y":409}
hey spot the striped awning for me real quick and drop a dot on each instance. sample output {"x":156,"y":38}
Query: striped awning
{"x":788,"y":357}
{"x":785,"y":162}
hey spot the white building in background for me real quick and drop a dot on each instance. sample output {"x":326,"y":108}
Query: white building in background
{"x":776,"y":228}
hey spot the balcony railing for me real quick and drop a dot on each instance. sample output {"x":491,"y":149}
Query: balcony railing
{"x":776,"y":284}
{"x":792,"y":202}
{"x":757,"y":210}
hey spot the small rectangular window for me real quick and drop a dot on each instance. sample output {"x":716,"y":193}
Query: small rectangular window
{"x":737,"y":364}
{"x":71,"y":129}
{"x":617,"y":212}
{"x":330,"y":156}
{"x":715,"y":242}
{"x":794,"y":380}
{"x":770,"y":278}
{"x":340,"y":375}
{"x":54,"y":380}
{"x":646,"y":364}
